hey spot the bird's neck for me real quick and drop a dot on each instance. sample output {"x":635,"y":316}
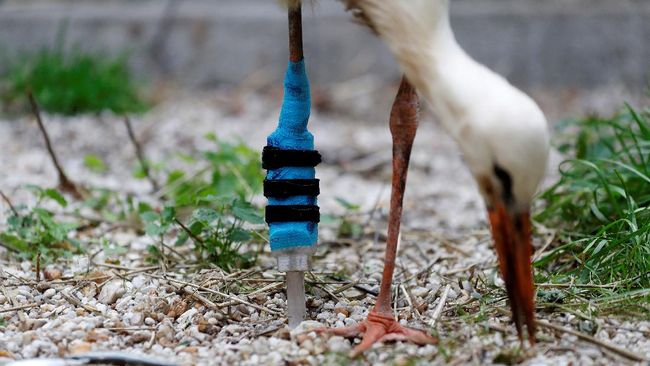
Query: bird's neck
{"x":443,"y":38}
{"x":444,"y":66}
{"x":420,"y":36}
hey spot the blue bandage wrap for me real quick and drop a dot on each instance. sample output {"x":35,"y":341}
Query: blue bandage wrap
{"x":292,"y":134}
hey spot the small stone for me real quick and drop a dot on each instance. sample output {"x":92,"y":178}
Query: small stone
{"x":96,"y":276}
{"x":177,"y":308}
{"x":139,"y":281}
{"x":402,"y":360}
{"x":338,"y":345}
{"x":138,"y":338}
{"x":102,"y":308}
{"x":297,"y":362}
{"x":49,"y":293}
{"x":314,"y":303}
{"x":186,"y":318}
{"x":260,"y":299}
{"x":36,"y":323}
{"x":137,"y":318}
{"x":325,"y":315}
{"x":243,"y":309}
{"x":206,"y":327}
{"x":453,"y":294}
{"x":26,"y":266}
{"x":52,"y":274}
{"x":77,"y":347}
{"x":42,"y":286}
{"x":307,"y":344}
{"x":89,"y":291}
{"x":282,"y":333}
{"x":214,"y":317}
{"x":341,"y":310}
{"x":308,"y":325}
{"x":234,"y":329}
{"x":26,"y":293}
{"x":420,"y":292}
{"x":95,"y":336}
{"x":190,"y":350}
{"x":165,"y":331}
{"x":111,"y":292}
{"x":302,"y":338}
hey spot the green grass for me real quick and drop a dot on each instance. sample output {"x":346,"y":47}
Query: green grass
{"x":35,"y":233}
{"x":231,"y":169}
{"x":207,"y":205}
{"x":601,"y":207}
{"x":72,"y":83}
{"x":202,"y":209}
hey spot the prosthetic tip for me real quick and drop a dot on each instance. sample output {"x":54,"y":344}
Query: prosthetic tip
{"x":296,"y":308}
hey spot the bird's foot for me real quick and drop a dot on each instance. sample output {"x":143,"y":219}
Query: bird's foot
{"x":379,"y":327}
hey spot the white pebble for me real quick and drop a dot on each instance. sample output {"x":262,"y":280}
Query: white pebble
{"x":111,"y":292}
{"x":49,"y":293}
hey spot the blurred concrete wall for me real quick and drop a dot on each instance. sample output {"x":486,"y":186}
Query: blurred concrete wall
{"x":536,"y":43}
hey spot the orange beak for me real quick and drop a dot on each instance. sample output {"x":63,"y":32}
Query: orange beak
{"x":512,"y":239}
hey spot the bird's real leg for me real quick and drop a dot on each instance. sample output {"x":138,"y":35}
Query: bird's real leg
{"x":403,"y":126}
{"x":381,"y":325}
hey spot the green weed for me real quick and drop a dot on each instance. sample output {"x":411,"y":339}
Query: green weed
{"x":95,"y":164}
{"x":72,"y":83}
{"x":348,"y":225}
{"x":217,"y":194}
{"x":601,"y":205}
{"x":218,"y":232}
{"x":204,"y":205}
{"x":35,"y":232}
{"x":230,"y":169}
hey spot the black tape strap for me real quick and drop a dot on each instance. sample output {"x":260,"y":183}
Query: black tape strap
{"x":292,"y":213}
{"x":274,"y":158}
{"x":291,"y":187}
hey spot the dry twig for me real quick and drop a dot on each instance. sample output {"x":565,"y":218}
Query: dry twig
{"x":441,"y":305}
{"x":8,"y":201}
{"x":231,"y":297}
{"x":21,"y":307}
{"x":200,"y":298}
{"x":74,"y":301}
{"x":65,"y":184}
{"x":140,"y":154}
{"x":616,"y":349}
{"x":409,"y":300}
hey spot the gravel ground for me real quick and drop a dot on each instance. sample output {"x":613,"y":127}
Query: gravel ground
{"x":94,"y":304}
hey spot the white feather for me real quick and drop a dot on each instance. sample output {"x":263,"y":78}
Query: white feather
{"x":493,"y":122}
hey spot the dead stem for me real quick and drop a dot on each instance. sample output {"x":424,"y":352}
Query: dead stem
{"x":228,"y":296}
{"x":140,"y":154}
{"x":8,"y":201}
{"x":21,"y":307}
{"x":65,"y":184}
{"x":616,"y":349}
{"x":441,"y":305}
{"x":76,"y":302}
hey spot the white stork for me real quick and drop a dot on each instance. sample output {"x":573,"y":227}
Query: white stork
{"x":501,"y":132}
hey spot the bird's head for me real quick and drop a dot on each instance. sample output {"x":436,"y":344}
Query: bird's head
{"x":508,"y":159}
